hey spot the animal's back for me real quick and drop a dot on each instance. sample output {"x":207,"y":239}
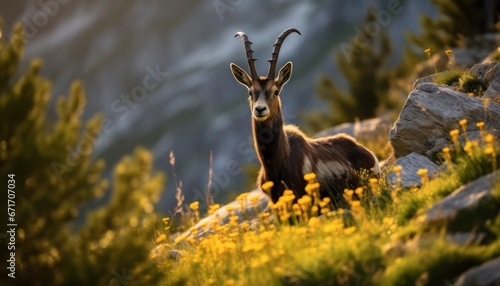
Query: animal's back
{"x":333,"y":159}
{"x":345,"y":146}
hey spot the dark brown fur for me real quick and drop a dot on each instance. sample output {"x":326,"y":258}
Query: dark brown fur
{"x":282,"y":159}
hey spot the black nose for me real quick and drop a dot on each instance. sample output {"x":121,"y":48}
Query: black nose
{"x":260,"y":109}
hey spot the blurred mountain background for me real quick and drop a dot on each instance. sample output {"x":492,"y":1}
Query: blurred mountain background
{"x":113,"y":45}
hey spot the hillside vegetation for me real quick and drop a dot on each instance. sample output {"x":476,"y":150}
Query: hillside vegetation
{"x":381,"y":240}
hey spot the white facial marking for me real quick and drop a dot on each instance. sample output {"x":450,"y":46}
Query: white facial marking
{"x":330,"y":169}
{"x":261,"y":103}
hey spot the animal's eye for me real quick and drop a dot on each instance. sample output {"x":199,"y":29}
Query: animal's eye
{"x":276,"y":92}
{"x":249,"y":93}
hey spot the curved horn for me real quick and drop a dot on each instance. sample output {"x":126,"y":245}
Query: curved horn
{"x":276,"y":51}
{"x":249,"y":52}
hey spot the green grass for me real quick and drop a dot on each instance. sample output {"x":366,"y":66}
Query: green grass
{"x":438,"y":262}
{"x":383,"y":243}
{"x":464,"y":80}
{"x":470,"y":83}
{"x":448,"y":77}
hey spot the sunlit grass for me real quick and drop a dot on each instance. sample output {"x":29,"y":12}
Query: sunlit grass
{"x":313,"y":243}
{"x":448,"y":77}
{"x":459,"y":77}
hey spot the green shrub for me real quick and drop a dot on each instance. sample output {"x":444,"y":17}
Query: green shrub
{"x":56,"y":177}
{"x":470,"y":83}
{"x":449,"y":77}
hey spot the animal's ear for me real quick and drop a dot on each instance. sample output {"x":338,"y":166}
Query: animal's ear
{"x":284,"y":74}
{"x":241,"y":76}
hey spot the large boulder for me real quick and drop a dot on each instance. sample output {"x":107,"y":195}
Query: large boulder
{"x":431,"y":112}
{"x":474,"y":200}
{"x":486,"y":274}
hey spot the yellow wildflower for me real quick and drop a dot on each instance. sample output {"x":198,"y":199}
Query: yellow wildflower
{"x":264,"y":215}
{"x":356,"y":206}
{"x":489,"y":138}
{"x":348,"y":192}
{"x":314,"y":222}
{"x":305,"y":200}
{"x":374,"y":184}
{"x":233,"y":234}
{"x":454,"y":136}
{"x":447,"y":155}
{"x":267,"y":186}
{"x":334,"y":226}
{"x":267,"y":235}
{"x":359,"y":191}
{"x":463,"y":123}
{"x":242,"y":196}
{"x":310,"y":188}
{"x":388,"y":220}
{"x":423,"y":174}
{"x":161,"y":238}
{"x":194,"y":206}
{"x":248,"y":247}
{"x":350,"y":230}
{"x":310,"y":177}
{"x":428,"y":52}
{"x":296,"y":210}
{"x":397,"y":169}
{"x":468,"y":148}
{"x":213,"y":208}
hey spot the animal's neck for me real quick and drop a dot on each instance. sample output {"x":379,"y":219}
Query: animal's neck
{"x":271,"y":144}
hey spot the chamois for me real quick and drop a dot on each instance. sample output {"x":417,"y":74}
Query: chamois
{"x":285,"y":153}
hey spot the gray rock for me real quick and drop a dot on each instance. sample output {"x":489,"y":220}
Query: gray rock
{"x":411,"y":163}
{"x":474,"y":53}
{"x":467,"y":198}
{"x":464,"y":238}
{"x":248,"y":212}
{"x":400,"y":248}
{"x":431,"y":112}
{"x":468,"y":56}
{"x":493,"y":91}
{"x":486,"y":274}
{"x":422,"y":80}
{"x":489,"y":73}
{"x":362,"y":130}
{"x":174,"y":255}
